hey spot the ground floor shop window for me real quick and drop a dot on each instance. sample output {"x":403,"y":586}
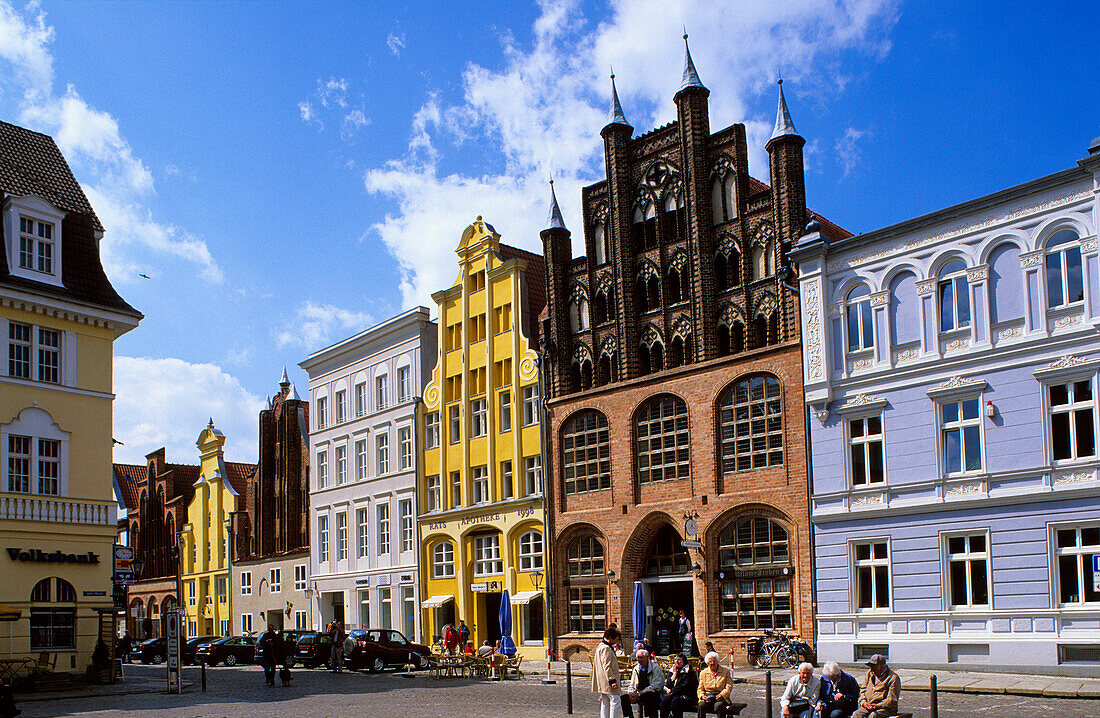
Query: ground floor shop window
{"x":754,"y":555}
{"x":53,"y":629}
{"x":587,"y":609}
{"x":364,"y":608}
{"x":300,"y":620}
{"x":1075,"y":549}
{"x":532,"y":621}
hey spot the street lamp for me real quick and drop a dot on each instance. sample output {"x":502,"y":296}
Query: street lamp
{"x":611,"y":575}
{"x":537,"y":578}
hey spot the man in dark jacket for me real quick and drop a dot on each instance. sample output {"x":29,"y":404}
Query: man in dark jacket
{"x":839,"y":692}
{"x":269,"y":641}
{"x":125,"y":644}
{"x":680,"y":689}
{"x":463,"y":634}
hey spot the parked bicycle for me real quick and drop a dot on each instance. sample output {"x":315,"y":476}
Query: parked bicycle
{"x":785,"y":650}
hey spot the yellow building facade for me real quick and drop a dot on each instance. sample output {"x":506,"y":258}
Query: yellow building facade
{"x":480,"y":481}
{"x":59,"y":318}
{"x":204,"y":540}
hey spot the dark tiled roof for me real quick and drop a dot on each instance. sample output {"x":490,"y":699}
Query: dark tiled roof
{"x":536,"y":286}
{"x":238,"y":475}
{"x":31,"y":164}
{"x":130,"y":478}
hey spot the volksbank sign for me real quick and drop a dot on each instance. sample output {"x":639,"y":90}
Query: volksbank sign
{"x":37,"y":555}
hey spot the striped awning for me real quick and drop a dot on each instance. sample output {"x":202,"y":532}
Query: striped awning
{"x":524,"y":597}
{"x":437,"y":601}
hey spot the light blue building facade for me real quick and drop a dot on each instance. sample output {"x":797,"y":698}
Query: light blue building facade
{"x":951,"y":365}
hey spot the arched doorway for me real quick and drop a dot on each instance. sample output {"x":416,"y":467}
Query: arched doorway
{"x":668,"y":586}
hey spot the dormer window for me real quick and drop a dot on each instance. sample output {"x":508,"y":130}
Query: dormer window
{"x":32,"y":227}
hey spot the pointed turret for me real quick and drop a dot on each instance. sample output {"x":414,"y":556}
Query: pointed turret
{"x":783,"y":124}
{"x":691,"y":77}
{"x":284,"y":381}
{"x":554,"y":221}
{"x":294,"y":394}
{"x":615,"y":115}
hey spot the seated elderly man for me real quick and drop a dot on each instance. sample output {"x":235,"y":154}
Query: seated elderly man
{"x":839,"y":692}
{"x":715,"y":686}
{"x":881,"y":688}
{"x":646,"y":681}
{"x":800,"y":699}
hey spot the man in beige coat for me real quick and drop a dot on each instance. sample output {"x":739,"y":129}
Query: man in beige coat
{"x":881,"y":689}
{"x":605,"y":675}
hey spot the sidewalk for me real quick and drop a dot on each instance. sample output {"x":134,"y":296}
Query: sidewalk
{"x":92,"y":690}
{"x":948,"y":681}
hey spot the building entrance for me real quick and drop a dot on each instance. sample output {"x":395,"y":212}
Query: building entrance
{"x":488,"y":616}
{"x":664,"y":602}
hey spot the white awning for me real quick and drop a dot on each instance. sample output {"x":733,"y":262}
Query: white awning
{"x":437,"y":601}
{"x":524,"y":597}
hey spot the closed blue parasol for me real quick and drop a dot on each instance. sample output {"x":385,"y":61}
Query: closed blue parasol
{"x":637,"y":614}
{"x":507,"y":645}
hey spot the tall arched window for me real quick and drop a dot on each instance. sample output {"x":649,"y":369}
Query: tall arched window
{"x":750,"y":424}
{"x":675,"y":219}
{"x":666,"y":555}
{"x":586,"y":453}
{"x":754,"y":554}
{"x":578,"y":315}
{"x":587,"y":585}
{"x":599,"y":240}
{"x":675,"y":286}
{"x":860,"y":333}
{"x":53,"y":615}
{"x":760,"y":331}
{"x":605,"y":370}
{"x":954,"y":296}
{"x":599,"y":308}
{"x":1063,"y":269}
{"x":663,"y":451}
{"x":443,"y":560}
{"x":530,"y":551}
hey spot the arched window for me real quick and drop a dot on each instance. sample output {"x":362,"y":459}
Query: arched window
{"x":645,"y":228}
{"x":718,"y":213}
{"x":599,"y":241}
{"x":904,"y":309}
{"x":663,"y":451}
{"x":675,"y":220}
{"x":53,"y":627}
{"x":749,"y":601}
{"x":666,"y":556}
{"x":586,"y":453}
{"x":653,"y":293}
{"x":1063,"y":268}
{"x":723,"y":340}
{"x":750,"y":424}
{"x":727,"y":270}
{"x":578,"y":315}
{"x":760,"y":331}
{"x":582,"y":374}
{"x":530,"y":551}
{"x":587,"y":587}
{"x":1006,"y":295}
{"x":443,"y":560}
{"x":674,"y":286}
{"x":676,"y":352}
{"x":723,"y":198}
{"x":599,"y":308}
{"x":860,"y":333}
{"x":954,"y":295}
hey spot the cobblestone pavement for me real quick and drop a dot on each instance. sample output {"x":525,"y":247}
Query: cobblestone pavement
{"x":239,"y":692}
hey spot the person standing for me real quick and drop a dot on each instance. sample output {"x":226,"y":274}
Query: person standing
{"x":839,"y":692}
{"x":715,"y":686}
{"x":450,"y":639}
{"x":881,"y":688}
{"x":686,"y":637}
{"x":337,"y":635}
{"x":801,"y":697}
{"x":605,"y":675}
{"x":125,"y":645}
{"x":463,"y":635}
{"x":680,"y":689}
{"x":267,"y":641}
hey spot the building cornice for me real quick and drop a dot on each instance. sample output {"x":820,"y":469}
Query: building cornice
{"x":76,"y":312}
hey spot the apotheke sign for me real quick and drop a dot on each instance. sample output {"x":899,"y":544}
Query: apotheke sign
{"x":39,"y":556}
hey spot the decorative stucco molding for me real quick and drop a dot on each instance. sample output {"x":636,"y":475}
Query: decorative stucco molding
{"x":880,"y":299}
{"x":814,"y":360}
{"x":1072,"y":477}
{"x":821,"y":413}
{"x":977,"y":273}
{"x":868,"y":500}
{"x":862,"y":404}
{"x":1068,"y":367}
{"x":926,"y":286}
{"x":1090,"y":245}
{"x":958,"y":386}
{"x":836,"y":310}
{"x":1032,"y":260}
{"x":965,"y":488}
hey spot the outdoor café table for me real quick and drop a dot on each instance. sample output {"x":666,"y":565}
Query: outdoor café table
{"x":452,"y":665}
{"x":11,"y":667}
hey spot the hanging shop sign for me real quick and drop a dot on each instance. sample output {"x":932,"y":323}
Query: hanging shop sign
{"x":769,"y":572}
{"x":39,"y":556}
{"x":483,"y":586}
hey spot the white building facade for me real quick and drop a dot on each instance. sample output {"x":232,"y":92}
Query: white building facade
{"x":363,"y":394}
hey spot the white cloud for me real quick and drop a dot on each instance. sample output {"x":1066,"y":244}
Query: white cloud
{"x":544,"y":106}
{"x":116,"y":181}
{"x":316,"y":325}
{"x":167,"y":402}
{"x":396,"y":43}
{"x":331,"y":98}
{"x":847,"y":151}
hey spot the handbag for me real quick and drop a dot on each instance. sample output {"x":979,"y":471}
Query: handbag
{"x":798,"y":705}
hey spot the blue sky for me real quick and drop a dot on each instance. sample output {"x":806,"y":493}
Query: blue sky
{"x":289,"y":173}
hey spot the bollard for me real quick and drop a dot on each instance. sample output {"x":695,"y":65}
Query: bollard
{"x":202,"y":669}
{"x":549,"y":681}
{"x":768,"y":693}
{"x":569,"y":687}
{"x":934,"y":709}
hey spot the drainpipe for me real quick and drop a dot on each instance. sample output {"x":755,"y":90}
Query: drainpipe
{"x":813,"y":547}
{"x":544,"y":450}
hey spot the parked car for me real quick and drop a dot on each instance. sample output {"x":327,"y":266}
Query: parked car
{"x":290,"y":641}
{"x":187,"y":651}
{"x":230,"y":651}
{"x":313,"y":649}
{"x":150,"y":651}
{"x":377,"y":648}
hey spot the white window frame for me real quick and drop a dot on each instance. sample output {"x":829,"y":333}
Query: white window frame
{"x":361,"y":468}
{"x":531,"y":405}
{"x":487,"y":560}
{"x":865,"y":322}
{"x":404,"y":383}
{"x":479,"y":480}
{"x":960,"y":425}
{"x":322,"y":412}
{"x":246,"y":623}
{"x":276,"y":580}
{"x":1072,"y":408}
{"x":953,"y":279}
{"x":967,"y":557}
{"x":479,"y":423}
{"x":221,"y":589}
{"x":341,"y":406}
{"x":36,"y":425}
{"x":443,"y":560}
{"x":507,"y":479}
{"x":431,"y":430}
{"x":246,"y":583}
{"x":433,"y":493}
{"x":361,"y":398}
{"x":322,"y":539}
{"x":404,"y":447}
{"x":456,"y":489}
{"x":455,"y":413}
{"x":532,"y":475}
{"x":383,"y":528}
{"x":405,"y":509}
{"x":362,"y":520}
{"x":342,"y":536}
{"x":1060,"y":252}
{"x":873,"y":563}
{"x":381,"y":391}
{"x":865,"y":445}
{"x":301,"y":621}
{"x":1080,"y":553}
{"x":322,"y":469}
{"x":39,"y":211}
{"x":382,"y":453}
{"x":530,"y":551}
{"x":301,"y":577}
{"x":505,"y":402}
{"x":341,"y":464}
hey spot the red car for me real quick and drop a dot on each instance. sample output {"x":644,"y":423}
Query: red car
{"x":377,"y":648}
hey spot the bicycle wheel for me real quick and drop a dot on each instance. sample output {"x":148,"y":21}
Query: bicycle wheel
{"x":788,"y":657}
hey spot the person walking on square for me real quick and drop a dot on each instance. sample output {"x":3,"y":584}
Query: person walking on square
{"x":125,"y":645}
{"x":337,"y":634}
{"x":267,"y":641}
{"x":881,"y":688}
{"x":463,"y":634}
{"x":605,"y":675}
{"x":450,"y":639}
{"x":687,"y":638}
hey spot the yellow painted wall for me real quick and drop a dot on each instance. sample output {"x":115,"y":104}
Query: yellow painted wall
{"x":207,"y":515}
{"x":484,"y":284}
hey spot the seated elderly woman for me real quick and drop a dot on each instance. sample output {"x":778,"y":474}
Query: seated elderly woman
{"x":715,"y":686}
{"x":839,"y":692}
{"x":802,"y":694}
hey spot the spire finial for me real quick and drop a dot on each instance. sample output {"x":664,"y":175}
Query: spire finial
{"x":554,"y":220}
{"x":783,"y":123}
{"x":284,"y":380}
{"x":691,"y":77}
{"x":615,"y":116}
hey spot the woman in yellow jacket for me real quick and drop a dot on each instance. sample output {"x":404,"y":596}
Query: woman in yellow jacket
{"x":715,"y":685}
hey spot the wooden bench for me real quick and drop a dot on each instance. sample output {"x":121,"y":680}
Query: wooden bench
{"x":736,"y":708}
